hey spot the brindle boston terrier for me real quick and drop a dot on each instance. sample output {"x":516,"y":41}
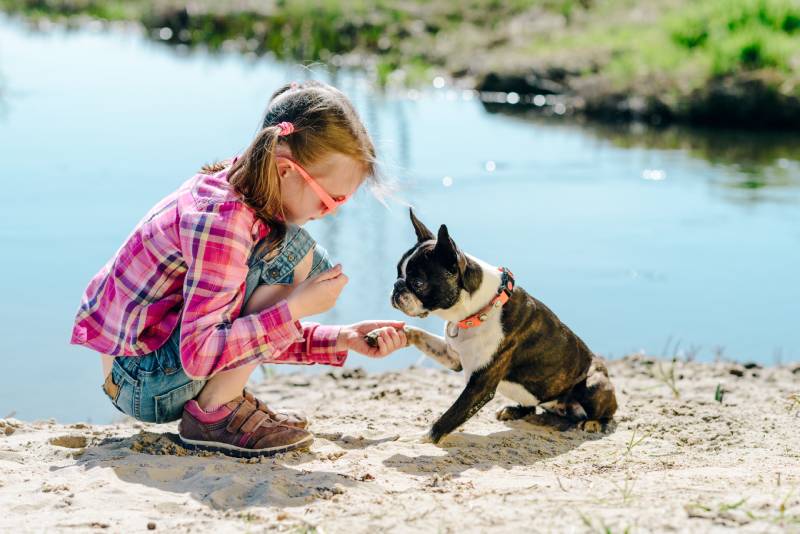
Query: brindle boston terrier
{"x":503,"y":339}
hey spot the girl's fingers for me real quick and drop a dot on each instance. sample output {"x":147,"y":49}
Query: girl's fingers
{"x":381,"y":345}
{"x":331,"y":273}
{"x":394,"y":337}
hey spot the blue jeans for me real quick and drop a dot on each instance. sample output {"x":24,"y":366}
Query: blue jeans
{"x":153,"y":388}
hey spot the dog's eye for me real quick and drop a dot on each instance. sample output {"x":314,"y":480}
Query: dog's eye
{"x":416,"y":283}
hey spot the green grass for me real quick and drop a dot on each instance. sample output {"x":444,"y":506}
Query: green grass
{"x":686,"y":45}
{"x":738,"y":35}
{"x":665,"y":49}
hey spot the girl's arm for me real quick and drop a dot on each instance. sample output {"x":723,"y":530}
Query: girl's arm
{"x":318,"y":343}
{"x":216,"y":242}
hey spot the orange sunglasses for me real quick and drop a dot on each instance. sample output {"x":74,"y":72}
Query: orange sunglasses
{"x":330,"y":202}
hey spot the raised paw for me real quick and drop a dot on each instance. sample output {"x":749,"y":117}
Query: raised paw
{"x":372,"y":338}
{"x":591,"y":426}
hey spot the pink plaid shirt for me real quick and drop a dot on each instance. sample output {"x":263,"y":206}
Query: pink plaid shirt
{"x":186,"y":262}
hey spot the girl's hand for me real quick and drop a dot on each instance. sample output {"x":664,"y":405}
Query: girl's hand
{"x":390,"y":338}
{"x":318,"y":294}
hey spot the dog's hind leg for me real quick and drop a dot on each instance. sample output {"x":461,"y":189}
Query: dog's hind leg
{"x":596,"y":396}
{"x":433,"y":346}
{"x":564,"y":412}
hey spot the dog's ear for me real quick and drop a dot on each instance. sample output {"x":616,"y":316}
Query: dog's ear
{"x":449,"y":254}
{"x":423,"y":234}
{"x":446,"y":251}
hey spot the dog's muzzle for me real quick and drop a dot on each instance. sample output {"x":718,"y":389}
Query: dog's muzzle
{"x":406,"y":301}
{"x":399,"y":288}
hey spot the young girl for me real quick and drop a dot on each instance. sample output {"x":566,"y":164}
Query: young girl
{"x":212,"y":282}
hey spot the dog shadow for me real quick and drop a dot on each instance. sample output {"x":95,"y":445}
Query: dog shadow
{"x":526,"y":442}
{"x":157,"y":460}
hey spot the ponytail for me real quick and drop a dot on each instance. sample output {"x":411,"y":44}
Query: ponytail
{"x":255,"y":177}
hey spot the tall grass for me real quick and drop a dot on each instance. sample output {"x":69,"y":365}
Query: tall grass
{"x":739,"y":35}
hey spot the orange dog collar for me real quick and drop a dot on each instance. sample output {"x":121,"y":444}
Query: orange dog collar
{"x":503,"y":295}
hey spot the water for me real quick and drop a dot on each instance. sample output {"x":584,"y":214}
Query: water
{"x":673,"y":241}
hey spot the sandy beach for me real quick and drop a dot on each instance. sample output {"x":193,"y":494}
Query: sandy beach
{"x":674,"y":460}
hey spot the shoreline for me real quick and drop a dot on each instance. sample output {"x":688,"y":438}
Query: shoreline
{"x":688,"y":463}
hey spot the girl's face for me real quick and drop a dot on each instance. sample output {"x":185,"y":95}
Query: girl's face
{"x":337,"y":174}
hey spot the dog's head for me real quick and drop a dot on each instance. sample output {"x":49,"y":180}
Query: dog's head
{"x":432,"y":274}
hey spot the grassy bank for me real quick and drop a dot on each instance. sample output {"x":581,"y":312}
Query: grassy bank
{"x":717,"y":62}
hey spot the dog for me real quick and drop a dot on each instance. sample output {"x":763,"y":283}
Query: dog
{"x":500,"y":336}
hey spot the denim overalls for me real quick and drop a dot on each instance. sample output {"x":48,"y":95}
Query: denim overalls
{"x":153,"y":388}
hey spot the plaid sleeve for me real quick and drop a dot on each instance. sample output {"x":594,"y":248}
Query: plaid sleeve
{"x":318,"y":345}
{"x":216,"y":243}
{"x":318,"y":342}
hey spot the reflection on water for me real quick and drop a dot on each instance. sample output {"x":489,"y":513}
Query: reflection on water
{"x":751,"y":160}
{"x":631,"y":238}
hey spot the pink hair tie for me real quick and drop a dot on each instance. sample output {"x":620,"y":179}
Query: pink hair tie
{"x":286,"y":128}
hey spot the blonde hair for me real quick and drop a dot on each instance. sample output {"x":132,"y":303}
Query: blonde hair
{"x":324,"y":122}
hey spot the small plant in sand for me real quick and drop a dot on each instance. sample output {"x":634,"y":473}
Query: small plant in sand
{"x":719,"y":393}
{"x":794,"y":403}
{"x":626,"y":490}
{"x":782,"y":517}
{"x":701,"y":510}
{"x":776,"y":514}
{"x":634,"y":441}
{"x":601,"y":528}
{"x":667,"y":377}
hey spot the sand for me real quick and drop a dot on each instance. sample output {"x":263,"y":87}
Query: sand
{"x":685,"y":463}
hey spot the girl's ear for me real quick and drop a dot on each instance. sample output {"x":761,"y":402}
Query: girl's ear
{"x":283,"y":166}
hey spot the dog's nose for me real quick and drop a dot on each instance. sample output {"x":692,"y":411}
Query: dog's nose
{"x":400,"y":285}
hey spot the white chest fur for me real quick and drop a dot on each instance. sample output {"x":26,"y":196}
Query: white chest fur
{"x":476,"y":346}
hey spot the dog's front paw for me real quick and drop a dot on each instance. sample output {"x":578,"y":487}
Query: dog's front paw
{"x":372,"y":339}
{"x":425,"y":438}
{"x":434,"y":436}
